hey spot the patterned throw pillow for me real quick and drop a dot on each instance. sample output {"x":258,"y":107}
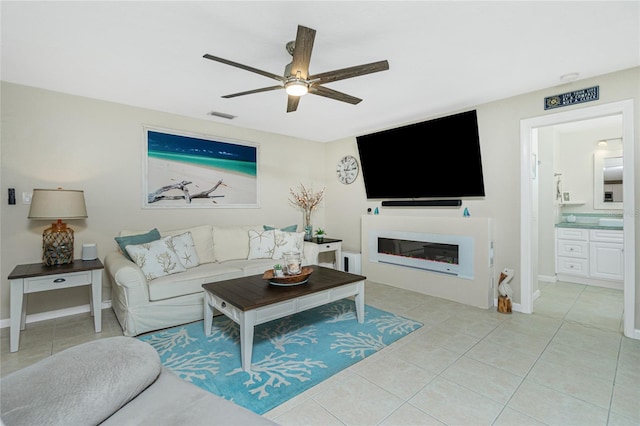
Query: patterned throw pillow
{"x":124,"y":241}
{"x":261,"y":244}
{"x":287,"y":241}
{"x":156,"y":259}
{"x":185,"y":248}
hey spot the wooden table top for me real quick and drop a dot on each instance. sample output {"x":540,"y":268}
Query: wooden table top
{"x":253,"y":292}
{"x":40,"y":269}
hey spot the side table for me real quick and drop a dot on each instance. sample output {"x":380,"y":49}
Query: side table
{"x":330,"y":244}
{"x":35,"y":277}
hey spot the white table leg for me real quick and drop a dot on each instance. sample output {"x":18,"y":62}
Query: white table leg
{"x":208,"y":315}
{"x":16,"y":312}
{"x":247,"y":323}
{"x":360,"y":302}
{"x":96,"y":298}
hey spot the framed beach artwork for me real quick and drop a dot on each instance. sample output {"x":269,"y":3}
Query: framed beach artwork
{"x":188,"y":170}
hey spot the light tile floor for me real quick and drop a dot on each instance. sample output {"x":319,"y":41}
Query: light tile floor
{"x":566,"y":364}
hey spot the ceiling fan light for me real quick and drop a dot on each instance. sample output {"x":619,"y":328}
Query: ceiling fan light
{"x":296,"y":88}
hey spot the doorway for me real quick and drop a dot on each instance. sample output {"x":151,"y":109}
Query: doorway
{"x":529,"y":220}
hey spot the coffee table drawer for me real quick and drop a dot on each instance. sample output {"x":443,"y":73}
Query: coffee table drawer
{"x":279,"y":310}
{"x":227,"y":309}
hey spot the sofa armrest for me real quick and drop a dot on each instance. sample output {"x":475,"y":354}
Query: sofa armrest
{"x":82,"y":385}
{"x":311,"y":253}
{"x":127,"y":279}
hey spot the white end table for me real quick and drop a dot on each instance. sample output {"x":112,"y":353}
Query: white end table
{"x":328,"y":245}
{"x":35,"y":277}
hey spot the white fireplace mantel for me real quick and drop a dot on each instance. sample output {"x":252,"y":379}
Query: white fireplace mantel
{"x":479,"y":290}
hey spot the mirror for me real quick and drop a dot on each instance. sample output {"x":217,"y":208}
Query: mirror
{"x":607,"y":185}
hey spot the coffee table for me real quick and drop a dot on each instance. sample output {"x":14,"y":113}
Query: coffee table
{"x":250,"y":301}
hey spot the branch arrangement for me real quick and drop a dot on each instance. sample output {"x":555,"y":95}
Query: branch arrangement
{"x":306,"y":199}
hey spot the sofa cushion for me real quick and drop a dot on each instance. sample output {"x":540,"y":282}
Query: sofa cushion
{"x":186,"y":250}
{"x":191,"y":281}
{"x":175,"y":401}
{"x":82,"y":385}
{"x":232,"y":242}
{"x":156,"y":259}
{"x":202,"y":238}
{"x":288,"y":241}
{"x":261,"y":244}
{"x":127,"y":238}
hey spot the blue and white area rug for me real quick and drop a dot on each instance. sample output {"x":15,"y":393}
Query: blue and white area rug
{"x":290,"y":355}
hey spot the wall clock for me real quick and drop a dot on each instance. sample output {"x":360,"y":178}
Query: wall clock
{"x":347,"y":169}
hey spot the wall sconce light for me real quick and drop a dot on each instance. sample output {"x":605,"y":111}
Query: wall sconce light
{"x":603,"y":143}
{"x":57,"y":204}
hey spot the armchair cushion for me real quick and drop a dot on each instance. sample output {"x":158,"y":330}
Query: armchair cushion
{"x":84,"y":384}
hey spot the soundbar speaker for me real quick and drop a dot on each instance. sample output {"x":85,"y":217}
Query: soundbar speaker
{"x":422,"y":203}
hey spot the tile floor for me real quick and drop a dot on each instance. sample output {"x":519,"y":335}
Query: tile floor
{"x":567,"y":364}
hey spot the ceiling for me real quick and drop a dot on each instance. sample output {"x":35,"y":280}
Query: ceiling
{"x":443,"y":56}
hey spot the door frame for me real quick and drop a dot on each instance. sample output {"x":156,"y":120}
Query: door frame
{"x":528,"y":137}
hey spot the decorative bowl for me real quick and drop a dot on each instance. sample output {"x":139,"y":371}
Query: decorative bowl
{"x":300,"y":278}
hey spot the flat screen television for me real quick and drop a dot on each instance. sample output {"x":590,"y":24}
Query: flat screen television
{"x":438,"y":158}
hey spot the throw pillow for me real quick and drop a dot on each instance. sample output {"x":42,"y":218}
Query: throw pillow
{"x":290,"y":228}
{"x":156,"y":259}
{"x":287,"y":241}
{"x":124,"y":241}
{"x":185,"y":248}
{"x":232,"y":243}
{"x":261,"y":244}
{"x":203,"y":239}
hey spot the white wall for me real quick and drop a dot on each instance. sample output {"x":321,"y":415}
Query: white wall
{"x":499,"y":127}
{"x":54,"y":140}
{"x":51,"y":140}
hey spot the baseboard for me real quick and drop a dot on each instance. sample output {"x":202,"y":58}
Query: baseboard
{"x":547,"y":278}
{"x":59,"y":313}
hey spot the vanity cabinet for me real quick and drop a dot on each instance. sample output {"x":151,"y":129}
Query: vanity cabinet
{"x":573,"y":251}
{"x":590,"y":256}
{"x":606,"y":254}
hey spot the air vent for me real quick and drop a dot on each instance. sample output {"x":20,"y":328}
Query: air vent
{"x":222,"y":115}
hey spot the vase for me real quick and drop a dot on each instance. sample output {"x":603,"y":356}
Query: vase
{"x":308,"y":229}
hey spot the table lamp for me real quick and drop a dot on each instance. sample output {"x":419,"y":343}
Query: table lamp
{"x":57,"y":204}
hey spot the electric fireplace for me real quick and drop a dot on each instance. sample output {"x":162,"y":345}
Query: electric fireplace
{"x":446,"y":254}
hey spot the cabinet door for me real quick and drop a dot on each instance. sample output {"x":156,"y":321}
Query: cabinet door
{"x":606,"y":261}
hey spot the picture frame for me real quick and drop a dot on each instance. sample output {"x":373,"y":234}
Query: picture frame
{"x":189,"y":170}
{"x":566,"y":197}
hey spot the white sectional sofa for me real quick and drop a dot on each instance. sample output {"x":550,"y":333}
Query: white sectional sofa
{"x":146,"y":299}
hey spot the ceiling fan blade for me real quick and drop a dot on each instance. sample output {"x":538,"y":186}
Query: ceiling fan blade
{"x":245,"y":67}
{"x":356,"y":71}
{"x":249,"y":92}
{"x":302,"y":51}
{"x":292,"y":103}
{"x":334,"y":94}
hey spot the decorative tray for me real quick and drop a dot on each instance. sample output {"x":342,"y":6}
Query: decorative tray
{"x":288,"y":280}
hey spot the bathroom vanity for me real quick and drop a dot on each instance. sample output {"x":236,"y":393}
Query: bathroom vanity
{"x":591,"y":252}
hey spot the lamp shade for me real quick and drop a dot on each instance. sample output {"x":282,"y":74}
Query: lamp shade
{"x":53,"y":204}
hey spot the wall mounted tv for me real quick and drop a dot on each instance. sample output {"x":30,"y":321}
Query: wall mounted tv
{"x":438,"y":158}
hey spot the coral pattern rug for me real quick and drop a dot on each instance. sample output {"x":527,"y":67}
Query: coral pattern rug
{"x":290,"y":355}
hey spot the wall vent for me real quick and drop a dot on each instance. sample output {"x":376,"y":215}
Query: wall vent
{"x":222,"y":115}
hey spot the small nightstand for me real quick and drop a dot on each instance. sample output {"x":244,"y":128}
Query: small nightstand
{"x":328,"y":245}
{"x":35,"y":277}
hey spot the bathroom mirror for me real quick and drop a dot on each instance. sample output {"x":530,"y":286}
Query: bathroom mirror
{"x":607,"y":185}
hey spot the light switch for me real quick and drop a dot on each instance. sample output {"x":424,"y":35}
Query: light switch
{"x":26,"y":198}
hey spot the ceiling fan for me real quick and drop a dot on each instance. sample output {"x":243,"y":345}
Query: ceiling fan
{"x":296,"y":79}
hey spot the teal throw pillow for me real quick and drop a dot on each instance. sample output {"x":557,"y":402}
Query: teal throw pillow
{"x":290,"y":228}
{"x":123,"y":242}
